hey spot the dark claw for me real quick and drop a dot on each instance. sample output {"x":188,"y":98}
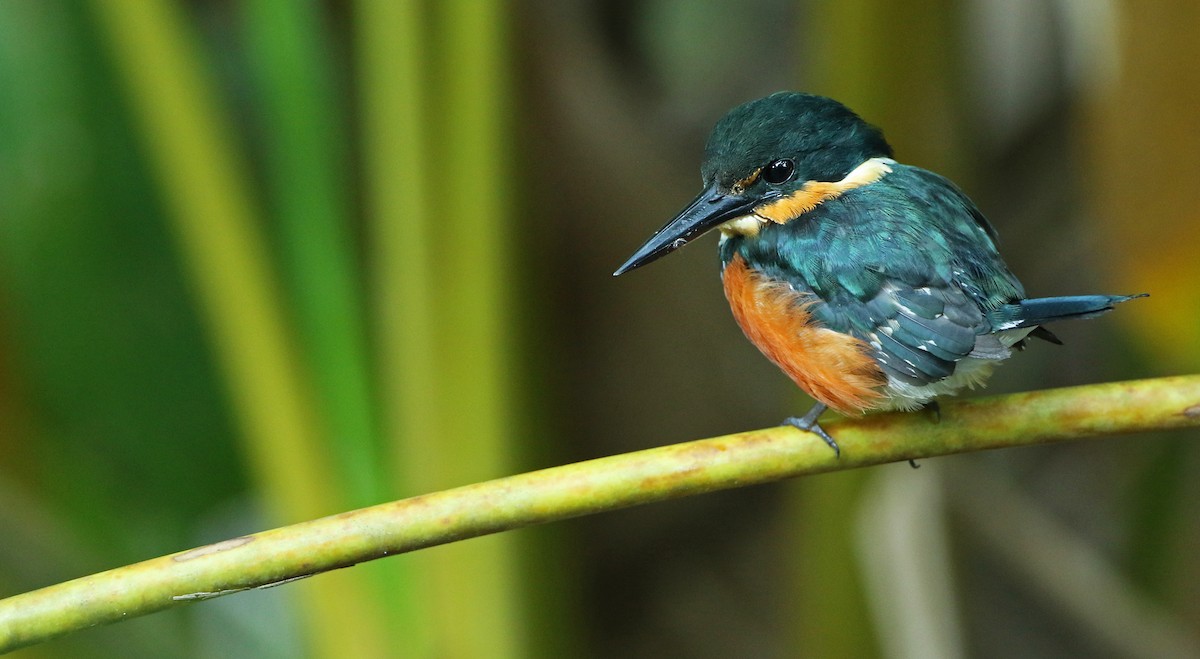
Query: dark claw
{"x":936,"y":411}
{"x":933,"y":408}
{"x":808,"y":423}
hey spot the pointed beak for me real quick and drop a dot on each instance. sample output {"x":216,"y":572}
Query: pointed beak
{"x":709,"y":209}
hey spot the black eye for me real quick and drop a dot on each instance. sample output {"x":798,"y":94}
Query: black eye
{"x":779,"y":171}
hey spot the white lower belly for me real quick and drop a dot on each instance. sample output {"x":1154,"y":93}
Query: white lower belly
{"x":968,"y":373}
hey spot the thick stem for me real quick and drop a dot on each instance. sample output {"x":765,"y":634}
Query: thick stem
{"x":620,"y":481}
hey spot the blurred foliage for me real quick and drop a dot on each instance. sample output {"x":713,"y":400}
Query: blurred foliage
{"x":271,"y":259}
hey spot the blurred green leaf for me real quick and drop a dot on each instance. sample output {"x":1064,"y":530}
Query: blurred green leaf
{"x":301,"y":115}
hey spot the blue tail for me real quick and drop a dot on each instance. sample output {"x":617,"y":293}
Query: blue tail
{"x":1031,"y":313}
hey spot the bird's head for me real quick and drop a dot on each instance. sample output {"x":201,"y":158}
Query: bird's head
{"x":771,"y":160}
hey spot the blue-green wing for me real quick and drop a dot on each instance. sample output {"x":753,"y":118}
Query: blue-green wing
{"x":907,"y":264}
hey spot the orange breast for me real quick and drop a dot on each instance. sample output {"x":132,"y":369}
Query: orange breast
{"x":836,"y":369}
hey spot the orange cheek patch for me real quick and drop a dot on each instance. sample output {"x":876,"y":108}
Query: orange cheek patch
{"x":836,"y":369}
{"x":799,"y":202}
{"x":813,"y":193}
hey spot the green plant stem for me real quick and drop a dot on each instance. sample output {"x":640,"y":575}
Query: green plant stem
{"x":204,"y":186}
{"x":477,"y":606}
{"x":301,"y":121}
{"x":391,"y":52}
{"x":620,"y":481}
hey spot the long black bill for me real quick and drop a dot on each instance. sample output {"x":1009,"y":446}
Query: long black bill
{"x":706,"y":211}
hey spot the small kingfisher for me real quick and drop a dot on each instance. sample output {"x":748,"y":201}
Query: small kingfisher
{"x":872,"y":284}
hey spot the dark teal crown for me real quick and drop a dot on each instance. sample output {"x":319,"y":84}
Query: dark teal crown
{"x":824,"y":138}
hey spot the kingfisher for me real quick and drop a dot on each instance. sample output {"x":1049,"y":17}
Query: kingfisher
{"x":872,"y":284}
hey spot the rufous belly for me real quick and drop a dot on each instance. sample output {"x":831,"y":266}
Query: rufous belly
{"x":834,"y":368}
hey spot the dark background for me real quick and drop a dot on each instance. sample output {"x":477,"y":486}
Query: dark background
{"x":262,"y":261}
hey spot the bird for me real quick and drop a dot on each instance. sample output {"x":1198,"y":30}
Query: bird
{"x":874,"y":285}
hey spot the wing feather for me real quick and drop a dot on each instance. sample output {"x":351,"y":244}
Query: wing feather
{"x":907,"y":264}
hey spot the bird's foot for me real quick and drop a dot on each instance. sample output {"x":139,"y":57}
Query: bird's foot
{"x":808,"y":423}
{"x":935,"y":411}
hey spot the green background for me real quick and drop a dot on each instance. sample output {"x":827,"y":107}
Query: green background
{"x":266,"y":260}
